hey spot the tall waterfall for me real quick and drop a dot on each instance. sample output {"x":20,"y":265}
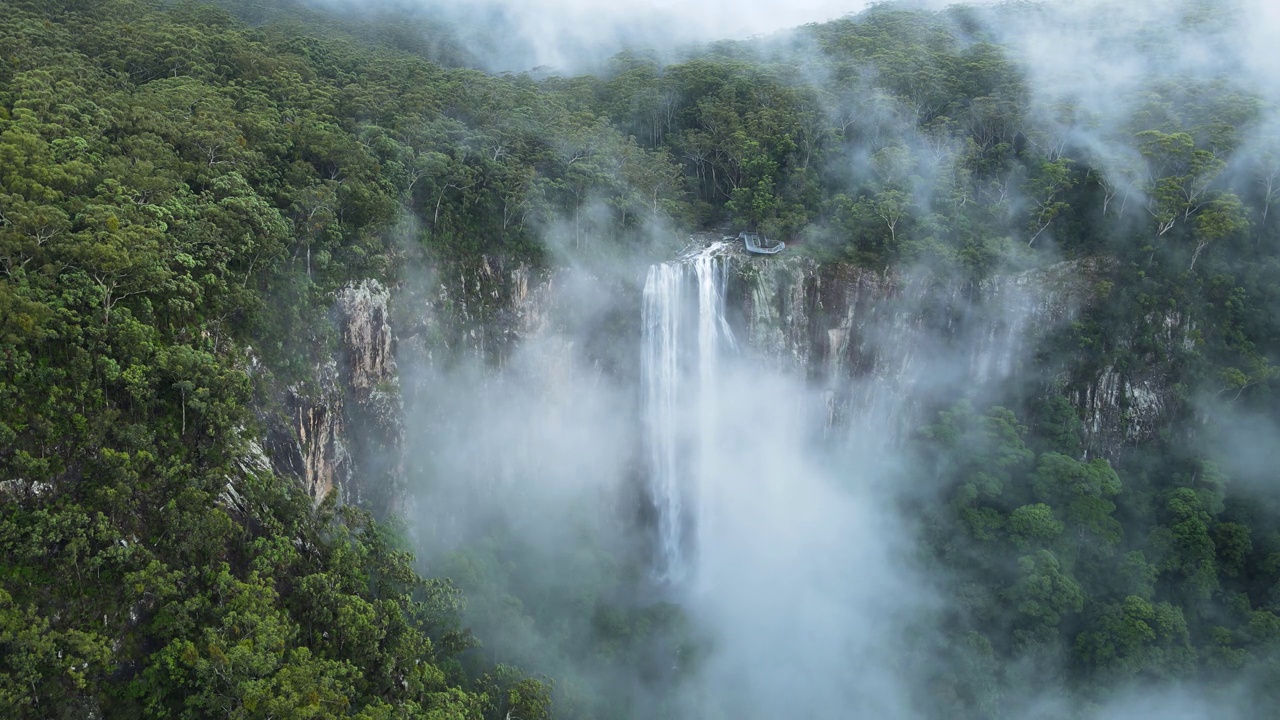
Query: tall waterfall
{"x":680,"y":381}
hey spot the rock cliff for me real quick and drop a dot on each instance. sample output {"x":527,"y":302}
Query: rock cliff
{"x":343,"y":431}
{"x":885,"y":345}
{"x":882,"y":346}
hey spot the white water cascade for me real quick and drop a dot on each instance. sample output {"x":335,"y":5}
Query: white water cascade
{"x":680,"y":382}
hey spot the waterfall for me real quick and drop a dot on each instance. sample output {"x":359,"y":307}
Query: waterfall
{"x":680,"y":382}
{"x":660,"y":364}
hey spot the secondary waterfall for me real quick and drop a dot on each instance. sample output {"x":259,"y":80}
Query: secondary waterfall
{"x":681,"y":349}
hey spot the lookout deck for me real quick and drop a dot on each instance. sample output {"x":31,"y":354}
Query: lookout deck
{"x":761,"y":245}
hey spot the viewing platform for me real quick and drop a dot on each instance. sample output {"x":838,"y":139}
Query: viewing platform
{"x":761,"y":245}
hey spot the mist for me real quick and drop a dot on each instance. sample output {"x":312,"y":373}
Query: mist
{"x":804,"y":594}
{"x":799,"y":589}
{"x":800,"y":586}
{"x":405,"y":358}
{"x":573,"y":36}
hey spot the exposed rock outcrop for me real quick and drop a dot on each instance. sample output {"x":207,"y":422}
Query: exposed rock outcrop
{"x":344,"y":429}
{"x":372,"y":405}
{"x":480,"y":310}
{"x":306,"y":437}
{"x":1127,"y":403}
{"x":880,"y":345}
{"x":885,"y":345}
{"x":367,"y":339}
{"x":324,"y":464}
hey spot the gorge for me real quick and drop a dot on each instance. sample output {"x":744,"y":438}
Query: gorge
{"x":769,"y":401}
{"x":346,"y":374}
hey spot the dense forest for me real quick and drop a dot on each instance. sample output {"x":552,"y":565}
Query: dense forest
{"x":184,"y":186}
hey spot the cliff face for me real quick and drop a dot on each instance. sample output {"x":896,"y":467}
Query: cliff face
{"x":480,"y":311}
{"x":1126,"y":403}
{"x":373,"y":411}
{"x":343,"y":432}
{"x":885,"y":348}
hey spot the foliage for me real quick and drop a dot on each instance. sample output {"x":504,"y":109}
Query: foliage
{"x":181,"y":192}
{"x":1174,"y":593}
{"x":167,"y":174}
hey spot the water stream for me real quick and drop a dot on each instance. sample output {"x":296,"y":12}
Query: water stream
{"x":685,"y":334}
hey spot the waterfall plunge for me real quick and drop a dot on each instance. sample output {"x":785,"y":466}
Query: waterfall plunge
{"x":680,"y":382}
{"x":776,"y":539}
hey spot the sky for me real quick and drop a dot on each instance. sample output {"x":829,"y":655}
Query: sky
{"x":722,"y":18}
{"x":572,"y":35}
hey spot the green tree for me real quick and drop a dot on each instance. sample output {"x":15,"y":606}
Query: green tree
{"x":1034,"y":526}
{"x":1041,"y":596}
{"x":1185,"y":547}
{"x":1135,"y":638}
{"x":1080,"y":494}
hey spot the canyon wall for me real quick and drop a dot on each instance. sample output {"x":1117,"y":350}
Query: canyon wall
{"x":884,"y":347}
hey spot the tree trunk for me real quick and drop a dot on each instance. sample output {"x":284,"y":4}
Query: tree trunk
{"x":1196,"y":255}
